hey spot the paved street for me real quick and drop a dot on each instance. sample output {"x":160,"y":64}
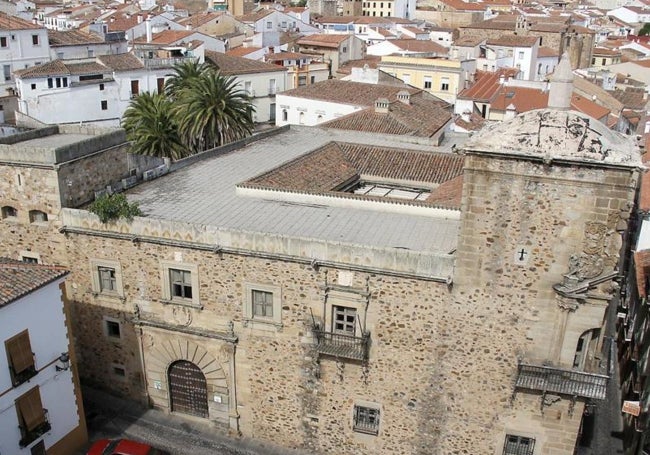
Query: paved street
{"x":111,"y":417}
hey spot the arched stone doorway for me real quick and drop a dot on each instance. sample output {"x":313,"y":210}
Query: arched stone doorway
{"x":188,"y":390}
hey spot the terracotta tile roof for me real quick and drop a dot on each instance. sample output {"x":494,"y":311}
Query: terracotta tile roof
{"x":122,"y":22}
{"x":631,"y":98}
{"x":295,"y":9}
{"x":8,"y":22}
{"x":280,"y":56}
{"x":231,"y":65}
{"x":642,"y":269}
{"x":121,"y":62}
{"x":18,"y":279}
{"x":72,"y":38}
{"x":422,"y":117}
{"x":475,"y":123}
{"x":256,"y":16}
{"x":241,"y":51}
{"x":323,"y":40}
{"x":586,"y":106}
{"x":547,"y":27}
{"x":494,"y":24}
{"x":486,"y":84}
{"x":196,"y":20}
{"x":448,"y":194}
{"x":346,"y":92}
{"x":337,"y":165}
{"x":170,"y":36}
{"x":469,"y":40}
{"x":336,"y":19}
{"x":371,"y":60}
{"x":544,"y":51}
{"x":603,"y":51}
{"x":53,"y":68}
{"x":522,"y":98}
{"x":643,"y":63}
{"x":460,"y":5}
{"x":513,"y":40}
{"x":414,"y":30}
{"x":85,"y":68}
{"x":416,"y":45}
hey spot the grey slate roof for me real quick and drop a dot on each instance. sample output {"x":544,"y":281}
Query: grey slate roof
{"x":18,"y":279}
{"x":205,"y":194}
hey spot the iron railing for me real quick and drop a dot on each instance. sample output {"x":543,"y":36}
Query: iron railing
{"x":22,"y":376}
{"x":561,"y":382}
{"x":169,"y":62}
{"x":342,"y":345}
{"x":29,"y":436}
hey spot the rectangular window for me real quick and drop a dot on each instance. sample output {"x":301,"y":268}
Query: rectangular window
{"x":181,"y":283}
{"x":344,"y":320}
{"x":33,"y":86}
{"x":101,"y":86}
{"x":366,"y":420}
{"x":58,"y":82}
{"x":302,"y":80}
{"x":521,"y":55}
{"x":65,"y":81}
{"x":29,"y":259}
{"x":248,"y":87}
{"x":7,"y":72}
{"x":20,"y":357}
{"x":262,"y":304}
{"x":160,"y":84}
{"x":35,"y":40}
{"x":271,"y":86}
{"x":518,"y":445}
{"x":406,"y":78}
{"x":444,"y":84}
{"x":112,"y":328}
{"x":91,"y":53}
{"x":313,"y":79}
{"x":427,"y":81}
{"x":107,"y":281}
{"x":32,"y":418}
{"x":3,"y":41}
{"x":104,"y":105}
{"x":269,"y":25}
{"x":59,"y":55}
{"x":135,"y":88}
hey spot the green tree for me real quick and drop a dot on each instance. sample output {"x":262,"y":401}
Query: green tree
{"x":184,"y":73}
{"x":113,"y":207}
{"x":152,"y":128}
{"x":211,"y":110}
{"x":645,"y":30}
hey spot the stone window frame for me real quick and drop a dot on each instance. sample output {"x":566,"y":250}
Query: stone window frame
{"x":249,"y":317}
{"x":347,"y":297}
{"x":167,"y":296}
{"x":501,"y":447}
{"x":366,"y":405}
{"x":96,"y":286}
{"x":106,"y":320}
{"x":34,"y":216}
{"x":31,"y":257}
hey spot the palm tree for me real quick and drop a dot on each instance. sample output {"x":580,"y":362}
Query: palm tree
{"x":184,"y":72}
{"x":211,"y":110}
{"x":152,"y":128}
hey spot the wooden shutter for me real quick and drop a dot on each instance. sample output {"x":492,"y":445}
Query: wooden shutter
{"x":30,"y":409}
{"x":20,"y":352}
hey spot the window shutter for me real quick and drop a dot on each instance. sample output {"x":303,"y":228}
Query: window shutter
{"x":31,"y":409}
{"x":20,"y":352}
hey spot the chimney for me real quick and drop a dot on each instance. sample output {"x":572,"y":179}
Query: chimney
{"x":139,"y":18}
{"x":511,"y":112}
{"x":381,"y":106}
{"x":188,"y":27}
{"x":147,"y":23}
{"x":502,"y":79}
{"x":404,"y":97}
{"x":559,"y":95}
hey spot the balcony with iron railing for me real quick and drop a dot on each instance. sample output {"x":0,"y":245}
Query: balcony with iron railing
{"x":561,"y":382}
{"x":342,"y":345}
{"x":25,"y":375}
{"x":29,"y":436}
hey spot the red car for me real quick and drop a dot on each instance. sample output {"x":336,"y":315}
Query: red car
{"x":123,"y":447}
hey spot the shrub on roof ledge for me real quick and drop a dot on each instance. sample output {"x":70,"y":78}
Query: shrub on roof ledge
{"x":113,"y":207}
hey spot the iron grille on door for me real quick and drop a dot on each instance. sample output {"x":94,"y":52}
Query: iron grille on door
{"x":518,"y":445}
{"x":188,"y":390}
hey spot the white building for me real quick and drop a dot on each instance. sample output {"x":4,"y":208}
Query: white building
{"x":39,"y":389}
{"x":259,"y":79}
{"x":631,"y":14}
{"x":96,"y":91}
{"x":75,"y":44}
{"x":22,"y":45}
{"x":511,"y":51}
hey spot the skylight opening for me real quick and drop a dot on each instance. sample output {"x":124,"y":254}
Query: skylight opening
{"x":395,"y":192}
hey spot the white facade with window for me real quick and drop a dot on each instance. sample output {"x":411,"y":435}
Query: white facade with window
{"x":293,"y":110}
{"x":262,"y":88}
{"x":20,"y":48}
{"x":97,"y":97}
{"x":35,"y":325}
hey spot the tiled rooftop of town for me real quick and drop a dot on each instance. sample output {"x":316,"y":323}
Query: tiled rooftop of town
{"x":18,"y":279}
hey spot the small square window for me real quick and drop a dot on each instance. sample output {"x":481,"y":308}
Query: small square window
{"x":113,"y":328}
{"x":344,"y":320}
{"x":106,"y":276}
{"x":119,"y":371}
{"x":33,"y":86}
{"x":181,"y":283}
{"x":101,"y":86}
{"x":518,"y":445}
{"x":366,"y":420}
{"x":262,"y":304}
{"x":104,"y":105}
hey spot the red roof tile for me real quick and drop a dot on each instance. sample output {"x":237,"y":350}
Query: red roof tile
{"x":231,"y":65}
{"x":18,"y":279}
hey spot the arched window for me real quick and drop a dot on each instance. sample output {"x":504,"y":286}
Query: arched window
{"x":285,"y":115}
{"x":301,"y":119}
{"x":9,"y":212}
{"x":36,"y":216}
